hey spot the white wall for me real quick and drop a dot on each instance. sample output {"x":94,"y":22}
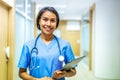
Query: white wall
{"x":107,"y":39}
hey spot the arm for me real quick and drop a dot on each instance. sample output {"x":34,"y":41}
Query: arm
{"x":59,"y":74}
{"x":25,"y":76}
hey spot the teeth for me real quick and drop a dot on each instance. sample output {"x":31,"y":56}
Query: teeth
{"x":47,"y":28}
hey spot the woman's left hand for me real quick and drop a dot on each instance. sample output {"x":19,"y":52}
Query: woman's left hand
{"x":59,"y":74}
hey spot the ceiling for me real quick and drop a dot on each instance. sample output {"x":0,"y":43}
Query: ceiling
{"x":67,"y":9}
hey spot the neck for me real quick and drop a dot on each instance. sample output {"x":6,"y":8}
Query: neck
{"x":47,"y":38}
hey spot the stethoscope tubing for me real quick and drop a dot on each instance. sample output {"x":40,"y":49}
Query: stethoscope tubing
{"x":36,"y":44}
{"x":34,"y":49}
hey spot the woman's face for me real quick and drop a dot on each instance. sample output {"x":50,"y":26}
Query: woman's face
{"x":48,"y":22}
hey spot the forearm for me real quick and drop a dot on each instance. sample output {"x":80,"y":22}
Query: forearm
{"x":25,"y":76}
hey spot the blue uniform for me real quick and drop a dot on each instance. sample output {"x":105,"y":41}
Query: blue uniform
{"x":47,"y":59}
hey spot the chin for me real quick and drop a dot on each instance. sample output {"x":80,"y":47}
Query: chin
{"x":47,"y":33}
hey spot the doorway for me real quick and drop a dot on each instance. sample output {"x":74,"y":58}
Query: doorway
{"x":3,"y":41}
{"x":6,"y":40}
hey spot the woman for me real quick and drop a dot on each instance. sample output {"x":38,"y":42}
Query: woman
{"x":45,"y":55}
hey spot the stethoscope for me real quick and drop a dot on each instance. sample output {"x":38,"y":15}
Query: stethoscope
{"x":35,"y":50}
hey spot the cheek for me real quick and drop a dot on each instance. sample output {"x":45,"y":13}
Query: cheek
{"x":41,"y":23}
{"x":54,"y":24}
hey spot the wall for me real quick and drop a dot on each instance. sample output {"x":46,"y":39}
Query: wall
{"x":24,"y":29}
{"x":70,"y":36}
{"x":7,"y":12}
{"x":107,"y":39}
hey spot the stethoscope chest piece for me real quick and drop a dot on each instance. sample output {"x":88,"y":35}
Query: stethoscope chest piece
{"x":61,"y":58}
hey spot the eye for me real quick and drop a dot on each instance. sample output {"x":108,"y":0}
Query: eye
{"x":53,"y":20}
{"x":45,"y":19}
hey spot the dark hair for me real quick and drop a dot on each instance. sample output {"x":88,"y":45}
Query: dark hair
{"x":51,"y":9}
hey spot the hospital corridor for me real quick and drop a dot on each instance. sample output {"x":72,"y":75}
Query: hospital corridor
{"x":81,"y":27}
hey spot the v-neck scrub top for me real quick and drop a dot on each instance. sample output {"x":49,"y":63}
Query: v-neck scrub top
{"x":47,"y":60}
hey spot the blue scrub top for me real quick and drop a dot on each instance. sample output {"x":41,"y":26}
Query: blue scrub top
{"x":46,"y":61}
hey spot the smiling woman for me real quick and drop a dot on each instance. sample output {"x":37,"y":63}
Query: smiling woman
{"x":45,"y":55}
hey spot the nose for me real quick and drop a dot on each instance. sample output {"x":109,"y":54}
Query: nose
{"x":48,"y":23}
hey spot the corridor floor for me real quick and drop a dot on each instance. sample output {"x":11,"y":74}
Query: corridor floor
{"x":84,"y":74}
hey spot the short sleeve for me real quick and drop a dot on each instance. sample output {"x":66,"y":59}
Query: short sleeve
{"x":24,"y":58}
{"x":69,"y":55}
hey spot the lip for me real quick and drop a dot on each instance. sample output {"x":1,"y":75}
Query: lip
{"x":48,"y":28}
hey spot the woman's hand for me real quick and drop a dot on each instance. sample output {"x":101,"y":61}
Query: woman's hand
{"x":60,"y":74}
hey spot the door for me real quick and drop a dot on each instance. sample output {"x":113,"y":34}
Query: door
{"x":3,"y":41}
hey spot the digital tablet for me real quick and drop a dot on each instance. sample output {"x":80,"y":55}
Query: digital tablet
{"x":73,"y":63}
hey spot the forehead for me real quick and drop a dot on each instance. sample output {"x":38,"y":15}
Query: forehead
{"x":49,"y":14}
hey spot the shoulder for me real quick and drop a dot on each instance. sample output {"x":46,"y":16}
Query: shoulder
{"x":30,"y":43}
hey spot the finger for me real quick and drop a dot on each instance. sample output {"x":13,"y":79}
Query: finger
{"x":55,"y":75}
{"x":72,"y":69}
{"x":58,"y":72}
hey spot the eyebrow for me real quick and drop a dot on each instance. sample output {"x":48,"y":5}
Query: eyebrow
{"x":47,"y":17}
{"x":50,"y":18}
